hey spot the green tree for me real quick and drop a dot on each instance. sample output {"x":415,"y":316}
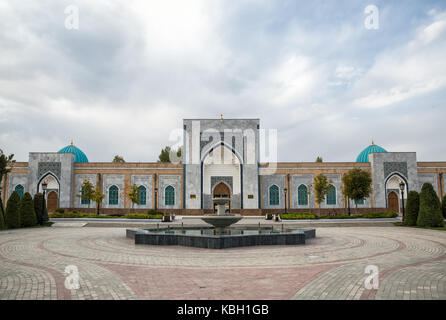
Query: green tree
{"x":321,"y":187}
{"x":86,"y":192}
{"x":164,"y":155}
{"x":12,"y":217}
{"x":168,"y":155}
{"x":118,"y":159}
{"x":133,"y":194}
{"x":412,"y":209}
{"x":357,"y":185}
{"x":40,"y":209}
{"x":26,"y":210}
{"x":319,"y":159}
{"x":443,"y":206}
{"x":97,"y":197}
{"x":430,"y":214}
{"x":5,"y":163}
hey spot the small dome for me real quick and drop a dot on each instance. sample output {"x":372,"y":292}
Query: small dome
{"x":364,"y":155}
{"x":79,"y":156}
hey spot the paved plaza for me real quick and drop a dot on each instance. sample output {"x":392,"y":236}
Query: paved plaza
{"x":411,"y":262}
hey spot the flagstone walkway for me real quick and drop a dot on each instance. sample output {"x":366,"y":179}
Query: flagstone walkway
{"x":411,"y":264}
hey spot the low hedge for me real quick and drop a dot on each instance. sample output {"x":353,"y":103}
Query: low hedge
{"x":143,"y":216}
{"x":75,"y":214}
{"x":297,"y":216}
{"x":370,"y":215}
{"x":341,"y":216}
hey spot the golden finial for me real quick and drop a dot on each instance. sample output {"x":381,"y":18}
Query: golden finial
{"x":71,"y":143}
{"x":221,"y":116}
{"x":373,"y":142}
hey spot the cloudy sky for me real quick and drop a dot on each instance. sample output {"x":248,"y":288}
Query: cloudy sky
{"x":122,"y":81}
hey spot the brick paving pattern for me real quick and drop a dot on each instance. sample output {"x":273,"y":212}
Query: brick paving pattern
{"x":412,"y":265}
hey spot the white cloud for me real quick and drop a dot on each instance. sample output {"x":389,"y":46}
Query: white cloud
{"x":402,"y":73}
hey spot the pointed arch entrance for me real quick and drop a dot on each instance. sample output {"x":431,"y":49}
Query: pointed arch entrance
{"x":222,"y":163}
{"x":52,"y":191}
{"x":394,"y":194}
{"x":222,"y":191}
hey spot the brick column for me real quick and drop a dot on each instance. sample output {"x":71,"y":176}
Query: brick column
{"x":126,"y":190}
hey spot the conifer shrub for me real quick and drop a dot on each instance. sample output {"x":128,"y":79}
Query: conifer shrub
{"x":443,"y":206}
{"x":2,"y":220}
{"x":26,"y":211}
{"x":430,"y":214}
{"x":412,"y":209}
{"x":12,"y":216}
{"x":38,"y":207}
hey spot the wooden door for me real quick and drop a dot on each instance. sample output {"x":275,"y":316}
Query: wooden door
{"x":392,"y":202}
{"x":52,"y":201}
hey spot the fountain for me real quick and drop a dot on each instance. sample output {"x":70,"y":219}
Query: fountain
{"x":221,"y":220}
{"x":220,"y":234}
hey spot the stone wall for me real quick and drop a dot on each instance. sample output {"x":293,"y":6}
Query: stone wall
{"x":385,"y":165}
{"x":60,"y":165}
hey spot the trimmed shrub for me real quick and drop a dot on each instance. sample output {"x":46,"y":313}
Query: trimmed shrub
{"x":2,"y":220}
{"x":59,"y":210}
{"x":143,"y":216}
{"x":443,"y":206}
{"x":154,"y":212}
{"x":26,"y":210}
{"x":12,"y":216}
{"x":372,"y":215}
{"x":39,"y":206}
{"x":412,"y":209}
{"x":297,"y":216}
{"x":430,"y":214}
{"x":76,"y":214}
{"x":340,"y":216}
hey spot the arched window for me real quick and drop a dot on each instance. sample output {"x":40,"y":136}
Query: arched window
{"x":142,"y":195}
{"x":169,"y":196}
{"x":273,"y":195}
{"x":302,"y":195}
{"x":113,"y":195}
{"x":20,"y":190}
{"x":331,"y":195}
{"x":84,"y":201}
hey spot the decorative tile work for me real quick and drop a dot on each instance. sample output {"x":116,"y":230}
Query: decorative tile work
{"x":44,"y":167}
{"x":400,"y":167}
{"x":216,"y":180}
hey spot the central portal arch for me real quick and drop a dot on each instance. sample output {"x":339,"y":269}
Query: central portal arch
{"x":221,"y":164}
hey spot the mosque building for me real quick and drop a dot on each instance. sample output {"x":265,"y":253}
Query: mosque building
{"x":220,"y":158}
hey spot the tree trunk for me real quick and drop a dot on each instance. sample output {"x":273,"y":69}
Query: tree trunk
{"x":97,"y":208}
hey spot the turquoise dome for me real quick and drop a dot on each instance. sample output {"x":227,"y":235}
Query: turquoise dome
{"x":364,"y":155}
{"x":79,"y":156}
